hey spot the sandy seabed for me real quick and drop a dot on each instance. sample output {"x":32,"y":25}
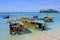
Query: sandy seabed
{"x":36,"y":35}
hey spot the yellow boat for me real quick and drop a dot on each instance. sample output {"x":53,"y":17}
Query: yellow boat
{"x":27,"y":24}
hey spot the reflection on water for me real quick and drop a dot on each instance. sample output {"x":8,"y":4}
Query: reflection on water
{"x":48,"y":25}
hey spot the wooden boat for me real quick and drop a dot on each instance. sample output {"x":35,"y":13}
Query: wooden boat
{"x":19,"y":27}
{"x":48,"y":19}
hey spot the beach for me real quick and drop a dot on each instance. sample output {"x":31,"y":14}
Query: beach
{"x":36,"y":35}
{"x":52,"y":33}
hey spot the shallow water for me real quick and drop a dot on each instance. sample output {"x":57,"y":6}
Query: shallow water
{"x":4,"y":28}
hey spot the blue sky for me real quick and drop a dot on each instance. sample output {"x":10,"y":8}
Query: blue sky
{"x":28,"y":5}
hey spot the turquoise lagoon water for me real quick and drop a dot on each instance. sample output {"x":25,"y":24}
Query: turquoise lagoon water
{"x":4,"y":28}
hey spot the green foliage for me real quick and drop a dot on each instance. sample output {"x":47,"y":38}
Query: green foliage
{"x":49,"y":11}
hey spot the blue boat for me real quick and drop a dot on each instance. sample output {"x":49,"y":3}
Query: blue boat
{"x":7,"y":16}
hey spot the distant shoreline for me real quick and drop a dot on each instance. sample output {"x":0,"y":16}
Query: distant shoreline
{"x":49,"y":11}
{"x":26,"y":12}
